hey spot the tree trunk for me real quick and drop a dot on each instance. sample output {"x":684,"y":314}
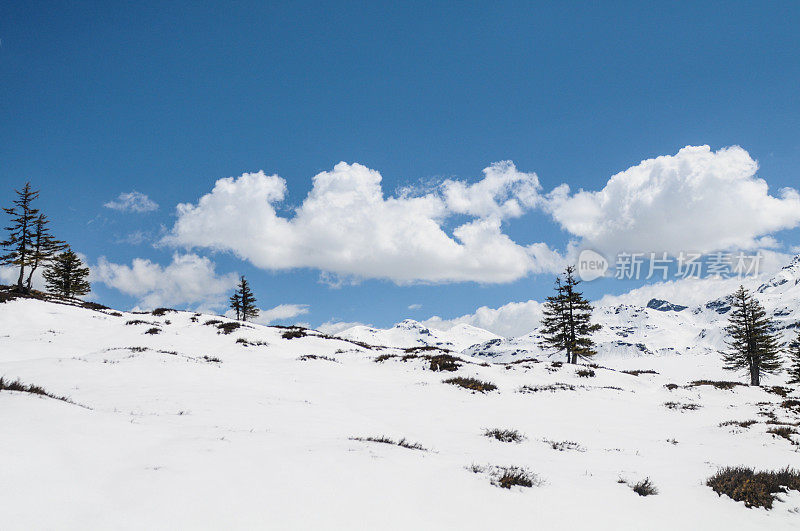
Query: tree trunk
{"x":754,"y":375}
{"x":30,"y":276}
{"x":20,"y":285}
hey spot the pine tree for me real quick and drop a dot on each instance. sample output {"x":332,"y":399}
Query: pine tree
{"x":236,"y":304}
{"x":66,"y":275}
{"x":21,"y":232}
{"x":566,"y":326}
{"x":754,"y":346}
{"x":245,"y":300}
{"x":794,"y":360}
{"x":45,"y":247}
{"x":553,"y":330}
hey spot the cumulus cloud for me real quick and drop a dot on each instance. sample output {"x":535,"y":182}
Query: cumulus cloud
{"x":132,"y":202}
{"x":347,"y":228}
{"x":504,"y":192}
{"x":510,"y":320}
{"x":282,"y":311}
{"x":188,"y":281}
{"x":696,"y":200}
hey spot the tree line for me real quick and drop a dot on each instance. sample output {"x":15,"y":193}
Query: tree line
{"x":30,"y":245}
{"x":753,"y":339}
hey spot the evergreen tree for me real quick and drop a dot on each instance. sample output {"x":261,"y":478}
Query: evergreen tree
{"x":794,"y":360}
{"x":21,"y":233}
{"x":66,"y":275}
{"x":246,"y":301}
{"x":753,"y":344}
{"x":566,"y":326}
{"x":45,"y":247}
{"x":236,"y":304}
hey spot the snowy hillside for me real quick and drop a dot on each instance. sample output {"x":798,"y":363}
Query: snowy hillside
{"x":200,"y":424}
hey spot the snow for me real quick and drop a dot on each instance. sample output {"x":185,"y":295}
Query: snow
{"x":161,"y":438}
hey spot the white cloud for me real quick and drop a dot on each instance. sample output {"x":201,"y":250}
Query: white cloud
{"x":414,"y":306}
{"x":188,"y":281}
{"x":504,"y":192}
{"x":509,"y":320}
{"x":132,"y":202}
{"x":696,"y":200}
{"x":346,"y":228}
{"x":334,"y":327}
{"x":282,"y":311}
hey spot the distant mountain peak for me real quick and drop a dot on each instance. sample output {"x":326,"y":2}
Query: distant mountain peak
{"x":787,"y":277}
{"x":664,"y":306}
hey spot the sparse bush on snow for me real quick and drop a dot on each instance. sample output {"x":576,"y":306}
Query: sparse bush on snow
{"x":644,"y":488}
{"x":473,"y":384}
{"x":755,"y":489}
{"x":504,"y":435}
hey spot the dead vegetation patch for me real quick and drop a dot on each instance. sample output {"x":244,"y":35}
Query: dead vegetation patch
{"x":716,"y":384}
{"x":251,"y":343}
{"x":682,"y":406}
{"x":504,"y":435}
{"x":473,"y":384}
{"x":403,"y":443}
{"x":228,"y":328}
{"x":550,"y":387}
{"x":644,"y":488}
{"x":784,"y":432}
{"x":639,"y":372}
{"x":506,"y":477}
{"x":17,"y":385}
{"x":739,"y":423}
{"x":294,"y":333}
{"x":307,"y":357}
{"x":755,"y":489}
{"x":563,"y":446}
{"x":139,"y":322}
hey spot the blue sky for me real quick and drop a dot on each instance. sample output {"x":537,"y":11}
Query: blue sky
{"x":99,"y":99}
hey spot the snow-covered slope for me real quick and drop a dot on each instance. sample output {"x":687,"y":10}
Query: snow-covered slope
{"x":192,"y":428}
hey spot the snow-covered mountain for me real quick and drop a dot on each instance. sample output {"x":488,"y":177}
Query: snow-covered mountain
{"x":660,"y":327}
{"x":410,"y":333}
